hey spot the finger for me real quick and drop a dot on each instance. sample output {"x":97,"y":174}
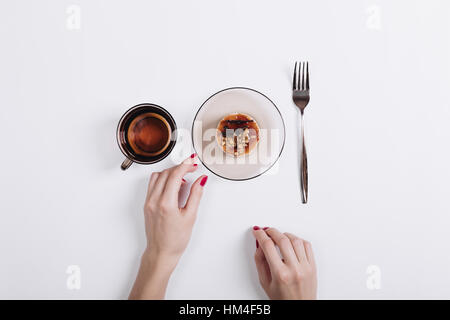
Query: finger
{"x":175,"y":178}
{"x":309,"y":253}
{"x":268,"y":247}
{"x":262,"y":267}
{"x":195,"y":195}
{"x":159,"y":185}
{"x":285,"y":245}
{"x":151,"y":183}
{"x":299,"y":247}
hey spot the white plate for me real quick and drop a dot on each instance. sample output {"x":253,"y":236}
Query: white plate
{"x":238,"y":100}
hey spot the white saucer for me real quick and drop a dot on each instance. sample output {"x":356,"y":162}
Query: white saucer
{"x":238,"y":100}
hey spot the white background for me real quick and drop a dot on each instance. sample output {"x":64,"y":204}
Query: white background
{"x":378,"y":129}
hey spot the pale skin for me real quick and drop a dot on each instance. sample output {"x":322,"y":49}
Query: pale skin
{"x":291,"y":275}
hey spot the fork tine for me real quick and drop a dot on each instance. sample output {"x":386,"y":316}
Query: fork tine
{"x":304,"y":76}
{"x":307,"y":75}
{"x":300,"y":75}
{"x":295,"y":77}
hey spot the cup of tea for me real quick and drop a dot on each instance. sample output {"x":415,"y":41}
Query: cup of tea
{"x":146,"y":134}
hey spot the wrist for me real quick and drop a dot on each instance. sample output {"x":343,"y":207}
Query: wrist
{"x":153,"y":276}
{"x":159,"y":263}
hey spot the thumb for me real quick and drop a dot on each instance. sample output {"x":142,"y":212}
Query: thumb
{"x":195,"y":195}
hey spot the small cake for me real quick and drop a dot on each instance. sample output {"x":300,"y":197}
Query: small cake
{"x":237,"y":134}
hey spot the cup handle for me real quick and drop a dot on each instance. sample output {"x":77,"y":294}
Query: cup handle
{"x":126,"y":164}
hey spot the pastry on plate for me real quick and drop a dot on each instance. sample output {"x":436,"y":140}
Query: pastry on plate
{"x":237,"y":134}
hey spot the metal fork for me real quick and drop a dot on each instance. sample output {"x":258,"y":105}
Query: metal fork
{"x":300,"y":96}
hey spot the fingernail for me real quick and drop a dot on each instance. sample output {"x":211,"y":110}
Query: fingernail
{"x":183,"y":179}
{"x":193,"y":155}
{"x":257,"y":244}
{"x":203,"y":182}
{"x":255,"y":228}
{"x":265,"y":228}
{"x":195,"y":164}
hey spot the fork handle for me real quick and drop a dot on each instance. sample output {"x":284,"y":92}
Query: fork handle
{"x":303,"y":166}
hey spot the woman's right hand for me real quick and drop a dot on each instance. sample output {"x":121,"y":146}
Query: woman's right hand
{"x":167,"y":226}
{"x":290,"y":277}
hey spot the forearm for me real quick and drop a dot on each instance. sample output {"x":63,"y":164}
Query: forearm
{"x":168,"y":227}
{"x":153,"y":277}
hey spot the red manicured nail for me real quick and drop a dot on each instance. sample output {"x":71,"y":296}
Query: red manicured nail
{"x":255,"y":228}
{"x":183,"y":179}
{"x":195,"y":164}
{"x":257,"y":244}
{"x":265,"y":228}
{"x":203,"y":182}
{"x":193,"y":155}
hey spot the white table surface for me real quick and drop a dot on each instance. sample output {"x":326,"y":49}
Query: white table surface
{"x":378,"y":130}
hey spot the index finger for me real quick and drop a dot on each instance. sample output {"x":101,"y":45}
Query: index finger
{"x":176,"y":175}
{"x":268,"y":247}
{"x":151,"y":184}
